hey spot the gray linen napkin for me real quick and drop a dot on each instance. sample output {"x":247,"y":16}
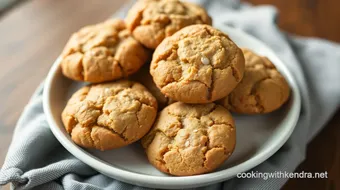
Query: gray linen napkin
{"x":36,"y":159}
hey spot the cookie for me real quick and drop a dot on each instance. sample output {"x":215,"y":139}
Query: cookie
{"x":151,"y":21}
{"x":198,"y":64}
{"x":190,"y":139}
{"x":109,"y":115}
{"x":143,"y":76}
{"x":262,"y":90}
{"x":102,"y":52}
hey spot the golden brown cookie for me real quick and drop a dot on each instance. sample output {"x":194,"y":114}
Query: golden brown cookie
{"x":263,"y":89}
{"x":190,"y":139}
{"x":102,"y":52}
{"x":198,"y":64}
{"x":143,"y":76}
{"x":109,"y":115}
{"x":153,"y":20}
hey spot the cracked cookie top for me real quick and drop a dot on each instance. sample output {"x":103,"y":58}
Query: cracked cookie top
{"x":102,"y":52}
{"x":198,"y":64}
{"x":190,"y":139}
{"x":153,"y":20}
{"x":109,"y":115}
{"x":263,"y":89}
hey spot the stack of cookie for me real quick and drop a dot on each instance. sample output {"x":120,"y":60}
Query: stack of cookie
{"x":177,"y":104}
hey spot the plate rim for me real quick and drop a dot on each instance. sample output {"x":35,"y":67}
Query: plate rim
{"x":174,"y":182}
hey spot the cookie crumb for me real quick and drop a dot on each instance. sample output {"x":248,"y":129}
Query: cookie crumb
{"x":205,"y":60}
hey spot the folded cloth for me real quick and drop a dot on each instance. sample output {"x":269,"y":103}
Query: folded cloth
{"x":6,"y":4}
{"x":36,"y":159}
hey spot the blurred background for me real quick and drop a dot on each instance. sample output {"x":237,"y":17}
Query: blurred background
{"x":33,"y":33}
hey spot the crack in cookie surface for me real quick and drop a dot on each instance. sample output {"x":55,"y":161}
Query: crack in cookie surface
{"x":198,"y":64}
{"x":102,"y":52}
{"x":121,"y":135}
{"x":190,"y":139}
{"x":151,"y":21}
{"x":122,"y":111}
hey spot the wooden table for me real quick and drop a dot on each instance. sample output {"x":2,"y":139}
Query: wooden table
{"x":34,"y":32}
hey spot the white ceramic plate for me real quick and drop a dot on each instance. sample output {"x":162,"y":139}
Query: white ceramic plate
{"x":258,"y":137}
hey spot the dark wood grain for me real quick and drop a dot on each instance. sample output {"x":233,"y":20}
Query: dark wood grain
{"x":32,"y":36}
{"x":314,"y":18}
{"x":323,"y":154}
{"x":34,"y":33}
